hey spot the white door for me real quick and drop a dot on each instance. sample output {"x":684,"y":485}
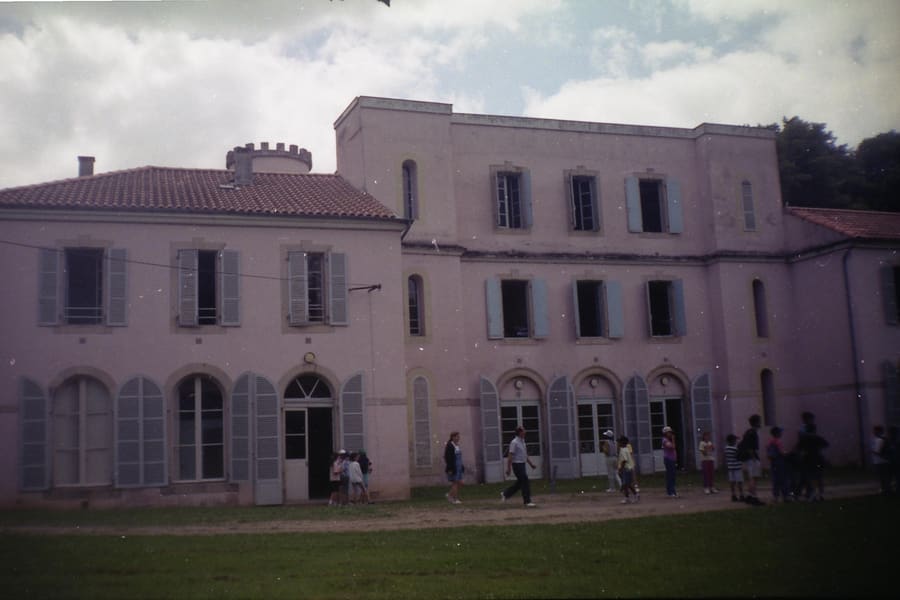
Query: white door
{"x":594,"y":417}
{"x":528,"y":415}
{"x":296,"y":464}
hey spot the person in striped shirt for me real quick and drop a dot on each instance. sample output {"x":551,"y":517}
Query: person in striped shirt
{"x":735,"y":468}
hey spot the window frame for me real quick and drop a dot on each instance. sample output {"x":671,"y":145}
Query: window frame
{"x":197,"y":444}
{"x":81,"y":431}
{"x":333,"y":289}
{"x":576,"y":216}
{"x":225,"y":283}
{"x":748,"y":208}
{"x":415,"y":305}
{"x":675,"y":307}
{"x":421,"y":422}
{"x":535,"y":302}
{"x":669,"y":203}
{"x":409,"y":174}
{"x":608,"y":303}
{"x":501,"y":176}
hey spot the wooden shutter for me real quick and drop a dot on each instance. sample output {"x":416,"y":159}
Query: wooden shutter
{"x":491,"y":444}
{"x":268,"y":487}
{"x":34,"y":470}
{"x":570,"y":194}
{"x":637,"y":422}
{"x":421,"y":422}
{"x":889,"y":294}
{"x":540,"y":318}
{"x":525,"y":199}
{"x":116,"y":287}
{"x":595,"y":203}
{"x":633,"y":205}
{"x":494,"y":300}
{"x":353,"y":413}
{"x":298,"y":305}
{"x":679,"y":321}
{"x":48,"y":286}
{"x":702,"y":410}
{"x":337,"y":292}
{"x":240,"y":429}
{"x":561,"y":414}
{"x":140,"y":435}
{"x":187,"y":288}
{"x":577,"y":309}
{"x":230,"y":282}
{"x":673,"y":206}
{"x":615,"y":318}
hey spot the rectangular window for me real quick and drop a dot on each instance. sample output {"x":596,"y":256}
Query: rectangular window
{"x":591,"y":309}
{"x":208,"y":287}
{"x":584,"y":203}
{"x":509,"y":207}
{"x":653,"y":205}
{"x":515,"y":308}
{"x":84,"y":286}
{"x":665,"y":305}
{"x":207,"y":313}
{"x":317,"y":288}
{"x":653,"y":212}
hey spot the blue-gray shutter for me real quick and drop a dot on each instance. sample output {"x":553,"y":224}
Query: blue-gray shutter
{"x":298,"y":306}
{"x":633,"y":205}
{"x":187,"y":288}
{"x":337,"y":293}
{"x":702,"y":410}
{"x":140,"y":447}
{"x":34,"y":470}
{"x":889,"y":294}
{"x":615,"y":317}
{"x":494,"y":300}
{"x":240,"y":429}
{"x":595,"y":203}
{"x":541,"y":315}
{"x":561,"y":414}
{"x":353,"y":413}
{"x":48,"y":286}
{"x":495,"y":196}
{"x":231,"y":288}
{"x":525,"y":198}
{"x":636,"y":403}
{"x":576,"y":312}
{"x":268,"y":488}
{"x":491,"y":444}
{"x":891,"y":394}
{"x":678,"y":312}
{"x":116,"y":287}
{"x":673,"y":206}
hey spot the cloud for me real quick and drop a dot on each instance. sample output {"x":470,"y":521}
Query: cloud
{"x":613,"y":51}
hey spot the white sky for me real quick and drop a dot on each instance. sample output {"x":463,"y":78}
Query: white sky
{"x":180,"y":83}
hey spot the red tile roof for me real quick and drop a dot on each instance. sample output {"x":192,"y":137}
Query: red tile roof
{"x":861,"y":224}
{"x":203,"y":191}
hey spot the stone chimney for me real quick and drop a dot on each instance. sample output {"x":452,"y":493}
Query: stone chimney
{"x":85,"y":166}
{"x":243,"y":166}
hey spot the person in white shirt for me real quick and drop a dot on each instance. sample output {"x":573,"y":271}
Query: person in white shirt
{"x":516,"y":460}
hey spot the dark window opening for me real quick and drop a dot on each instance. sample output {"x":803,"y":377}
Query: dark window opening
{"x":315,"y":286}
{"x":590,"y":308}
{"x":652,"y":208}
{"x":409,"y":190}
{"x":509,"y":208}
{"x":295,"y":434}
{"x":760,"y":310}
{"x":583,"y":203}
{"x":515,"y":309}
{"x":416,"y":325}
{"x":84,"y":286}
{"x":767,"y":385}
{"x":660,"y":308}
{"x":206,"y":287}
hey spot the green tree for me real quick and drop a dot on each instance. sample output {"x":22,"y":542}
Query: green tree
{"x":878,"y":159}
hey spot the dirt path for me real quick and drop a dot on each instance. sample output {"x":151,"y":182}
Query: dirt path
{"x":561,"y":508}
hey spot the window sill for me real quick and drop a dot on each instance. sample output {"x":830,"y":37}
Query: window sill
{"x":666,"y":339}
{"x":81,"y":329}
{"x":595,"y":341}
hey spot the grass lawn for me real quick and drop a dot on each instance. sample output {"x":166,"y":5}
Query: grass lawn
{"x":835,"y":548}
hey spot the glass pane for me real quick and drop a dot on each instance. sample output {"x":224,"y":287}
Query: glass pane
{"x":295,"y":447}
{"x":585,"y":429}
{"x":65,"y":467}
{"x":186,"y":466}
{"x":186,"y":434}
{"x":295,"y":422}
{"x":211,"y":395}
{"x":213,"y":428}
{"x":213,"y":462}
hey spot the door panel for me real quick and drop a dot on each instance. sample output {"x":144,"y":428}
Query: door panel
{"x":296,"y":475}
{"x":527,"y":415}
{"x":594,"y":417}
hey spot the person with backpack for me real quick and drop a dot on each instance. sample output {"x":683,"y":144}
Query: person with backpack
{"x":881,"y":453}
{"x":748,"y":452}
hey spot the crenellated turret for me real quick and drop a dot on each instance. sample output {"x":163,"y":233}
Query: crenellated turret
{"x":294,"y":160}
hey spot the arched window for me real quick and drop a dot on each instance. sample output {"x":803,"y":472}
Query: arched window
{"x":421,"y":422}
{"x":416,"y":306}
{"x":410,"y":190}
{"x":767,"y":385}
{"x":747,"y":206}
{"x":760,"y":310}
{"x":82,"y":433}
{"x":200,"y":429}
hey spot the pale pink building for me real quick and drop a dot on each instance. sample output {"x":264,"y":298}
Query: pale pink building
{"x":211,"y":336}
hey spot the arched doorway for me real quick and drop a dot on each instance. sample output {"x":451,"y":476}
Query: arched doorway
{"x":308,"y":438}
{"x":667,"y":394}
{"x":520,"y":404}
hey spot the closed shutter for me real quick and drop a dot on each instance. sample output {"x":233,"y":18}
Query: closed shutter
{"x":231,"y":288}
{"x":637,"y":422}
{"x":34,"y":471}
{"x":527,"y":204}
{"x":577,"y":309}
{"x":673,"y":206}
{"x":116,"y":287}
{"x":702,"y":409}
{"x":678,"y":313}
{"x":889,"y":294}
{"x":560,"y":411}
{"x":48,"y":286}
{"x":633,"y":205}
{"x":267,"y":441}
{"x":541,"y":318}
{"x":891,"y":394}
{"x":187,"y":288}
{"x":337,"y":293}
{"x":421,"y":422}
{"x":615,"y":317}
{"x":298,"y":305}
{"x":140,"y":455}
{"x":353,"y":413}
{"x":240,"y":430}
{"x":491,"y":444}
{"x":494,"y":300}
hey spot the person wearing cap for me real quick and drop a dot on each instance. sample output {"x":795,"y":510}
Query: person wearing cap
{"x":611,"y":450}
{"x":670,"y":458}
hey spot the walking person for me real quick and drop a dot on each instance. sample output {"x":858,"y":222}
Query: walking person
{"x":670,"y":459}
{"x":611,"y":452}
{"x":453,"y":466}
{"x":516,"y":459}
{"x":708,"y":464}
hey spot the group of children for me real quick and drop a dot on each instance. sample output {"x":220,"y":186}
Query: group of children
{"x":349,"y":478}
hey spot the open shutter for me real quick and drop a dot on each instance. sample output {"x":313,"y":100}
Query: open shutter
{"x":570,"y":194}
{"x":637,"y":422}
{"x":673,"y":206}
{"x":561,"y":414}
{"x":116,"y":288}
{"x":525,"y":198}
{"x":231,"y":288}
{"x":337,"y":293}
{"x":140,"y":455}
{"x":491,"y":444}
{"x":494,"y":299}
{"x":298,"y":307}
{"x":595,"y":203}
{"x":267,"y":440}
{"x":615,"y":318}
{"x":702,"y":409}
{"x":633,"y":205}
{"x":889,"y":294}
{"x":891,"y":394}
{"x":48,"y":286}
{"x":353,"y":413}
{"x":540,"y":317}
{"x":678,"y":314}
{"x":576,"y":312}
{"x":34,"y":471}
{"x":187,"y":288}
{"x":240,"y":429}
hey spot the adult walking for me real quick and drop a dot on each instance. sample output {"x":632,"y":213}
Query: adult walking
{"x":516,"y":459}
{"x":611,"y":451}
{"x":453,"y":466}
{"x":670,"y":460}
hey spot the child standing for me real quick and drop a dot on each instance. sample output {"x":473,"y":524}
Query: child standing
{"x":708,"y":463}
{"x":781,"y":486}
{"x":735,"y":468}
{"x":626,"y":471}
